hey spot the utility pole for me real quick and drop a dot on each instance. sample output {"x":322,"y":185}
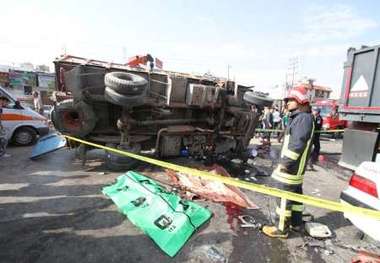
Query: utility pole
{"x":64,"y":49}
{"x":124,"y":53}
{"x":293,"y":66}
{"x":228,"y":71}
{"x":292,"y":72}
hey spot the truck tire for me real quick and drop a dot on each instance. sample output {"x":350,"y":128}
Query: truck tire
{"x":125,"y":83}
{"x":76,"y":119}
{"x":117,"y":162}
{"x":123,"y":100}
{"x":257,"y":99}
{"x":24,"y":136}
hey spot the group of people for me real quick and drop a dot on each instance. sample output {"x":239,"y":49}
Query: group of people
{"x":299,"y":137}
{"x":273,"y":119}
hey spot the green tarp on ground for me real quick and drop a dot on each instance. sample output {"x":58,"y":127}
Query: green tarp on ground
{"x":163,"y":216}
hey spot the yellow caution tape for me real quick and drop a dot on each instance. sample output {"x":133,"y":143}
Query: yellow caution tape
{"x":318,"y":131}
{"x":310,"y":200}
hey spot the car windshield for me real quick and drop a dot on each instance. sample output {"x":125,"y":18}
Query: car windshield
{"x":325,"y":110}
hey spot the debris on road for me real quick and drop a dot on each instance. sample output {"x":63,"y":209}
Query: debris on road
{"x":236,"y":161}
{"x":211,"y":190}
{"x":318,"y":246}
{"x":215,"y":255}
{"x":317,"y":230}
{"x":307,"y":217}
{"x":162,"y":215}
{"x":48,"y":144}
{"x":249,"y":222}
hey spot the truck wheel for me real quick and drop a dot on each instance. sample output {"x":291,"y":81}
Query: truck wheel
{"x":123,"y":100}
{"x":117,"y":162}
{"x":125,"y":83}
{"x":25,"y":136}
{"x":257,"y":99}
{"x":76,"y":119}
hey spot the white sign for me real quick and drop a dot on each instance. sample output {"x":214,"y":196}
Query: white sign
{"x":360,"y":88}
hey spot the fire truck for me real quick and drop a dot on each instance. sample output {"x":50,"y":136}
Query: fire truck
{"x":329,"y":112}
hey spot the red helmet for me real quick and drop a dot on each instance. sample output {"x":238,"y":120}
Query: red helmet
{"x":299,"y":94}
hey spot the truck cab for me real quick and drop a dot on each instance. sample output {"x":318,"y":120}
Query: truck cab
{"x":329,"y":113}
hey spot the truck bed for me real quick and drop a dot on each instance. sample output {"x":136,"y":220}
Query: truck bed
{"x":361,"y":86}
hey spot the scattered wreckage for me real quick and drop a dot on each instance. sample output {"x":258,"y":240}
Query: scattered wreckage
{"x":137,"y":109}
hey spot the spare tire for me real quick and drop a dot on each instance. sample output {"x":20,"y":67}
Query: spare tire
{"x":76,"y":119}
{"x":257,"y":99}
{"x":125,"y":83}
{"x":123,"y":100}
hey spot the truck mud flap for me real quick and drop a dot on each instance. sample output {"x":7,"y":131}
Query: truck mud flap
{"x":167,"y":219}
{"x":358,"y":146}
{"x":47,"y":144}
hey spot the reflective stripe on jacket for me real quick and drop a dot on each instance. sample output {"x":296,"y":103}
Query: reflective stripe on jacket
{"x":295,"y":149}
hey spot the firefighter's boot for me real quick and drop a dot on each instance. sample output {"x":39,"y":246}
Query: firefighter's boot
{"x":272,"y":231}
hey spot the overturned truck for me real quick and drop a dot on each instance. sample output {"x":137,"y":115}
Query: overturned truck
{"x":167,"y":113}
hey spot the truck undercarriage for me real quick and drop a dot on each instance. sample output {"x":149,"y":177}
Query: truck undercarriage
{"x":138,"y":110}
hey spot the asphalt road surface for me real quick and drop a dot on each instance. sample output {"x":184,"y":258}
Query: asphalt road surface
{"x":52,"y":210}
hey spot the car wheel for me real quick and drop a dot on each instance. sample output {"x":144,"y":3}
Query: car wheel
{"x":117,"y":162}
{"x":125,"y":83}
{"x":257,"y":99}
{"x":123,"y":100}
{"x":25,"y":136}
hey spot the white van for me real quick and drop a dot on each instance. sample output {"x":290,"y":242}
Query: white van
{"x":22,"y":124}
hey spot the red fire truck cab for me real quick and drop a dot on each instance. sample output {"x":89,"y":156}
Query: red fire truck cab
{"x":329,"y":113}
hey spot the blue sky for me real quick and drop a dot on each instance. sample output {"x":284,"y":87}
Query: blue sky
{"x":257,"y":38}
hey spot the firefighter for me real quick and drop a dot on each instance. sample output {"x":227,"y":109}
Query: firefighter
{"x":318,"y":123}
{"x":288,"y":175}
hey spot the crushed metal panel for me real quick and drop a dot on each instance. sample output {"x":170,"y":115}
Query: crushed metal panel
{"x":48,"y":144}
{"x":201,"y":95}
{"x":176,"y":90}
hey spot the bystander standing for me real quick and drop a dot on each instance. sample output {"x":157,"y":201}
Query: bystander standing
{"x":3,"y":138}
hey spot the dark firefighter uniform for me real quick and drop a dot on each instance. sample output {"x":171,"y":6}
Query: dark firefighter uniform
{"x":318,"y":123}
{"x":289,"y":174}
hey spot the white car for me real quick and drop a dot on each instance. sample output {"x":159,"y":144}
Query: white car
{"x":22,"y":124}
{"x":363,"y":191}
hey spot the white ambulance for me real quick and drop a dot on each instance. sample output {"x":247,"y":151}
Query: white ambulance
{"x":22,"y":124}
